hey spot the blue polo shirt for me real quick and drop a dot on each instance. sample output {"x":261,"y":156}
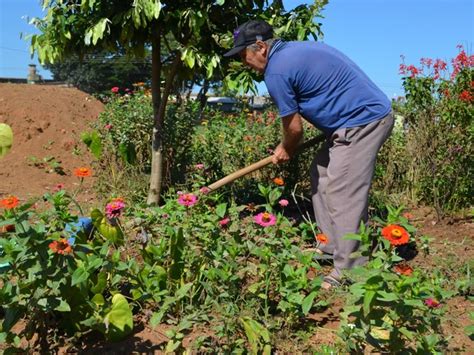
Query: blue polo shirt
{"x":323,"y":85}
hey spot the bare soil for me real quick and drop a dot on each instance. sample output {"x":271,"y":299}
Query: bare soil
{"x":47,"y":122}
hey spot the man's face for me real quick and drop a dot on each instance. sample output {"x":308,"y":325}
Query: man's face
{"x":255,"y":59}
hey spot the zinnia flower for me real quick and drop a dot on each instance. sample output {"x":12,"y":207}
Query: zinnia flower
{"x":82,"y":172}
{"x":396,"y":235}
{"x":465,"y":96}
{"x":283,"y":202}
{"x":187,"y":200}
{"x":114,"y":208}
{"x":224,"y":222}
{"x":61,"y":246}
{"x":9,"y":202}
{"x":403,"y":269}
{"x":322,"y":238}
{"x":115,"y":89}
{"x":432,"y":303}
{"x":199,"y":166}
{"x":58,"y":187}
{"x":278,"y":181}
{"x":108,"y":126}
{"x":204,"y":190}
{"x":265,"y":219}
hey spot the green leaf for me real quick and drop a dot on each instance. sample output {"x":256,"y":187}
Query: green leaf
{"x":63,"y":306}
{"x":119,"y":321}
{"x":6,"y":139}
{"x":221,"y":210}
{"x":79,"y":275}
{"x":368,"y":298}
{"x":176,"y":252}
{"x":183,"y":290}
{"x":98,"y":299}
{"x":308,"y":302}
{"x":93,"y":142}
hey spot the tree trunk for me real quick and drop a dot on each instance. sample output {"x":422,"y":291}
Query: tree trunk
{"x":159,"y":111}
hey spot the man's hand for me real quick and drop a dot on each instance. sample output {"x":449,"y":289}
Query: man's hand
{"x":292,"y":135}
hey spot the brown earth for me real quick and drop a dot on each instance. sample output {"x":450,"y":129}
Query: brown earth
{"x":47,"y":122}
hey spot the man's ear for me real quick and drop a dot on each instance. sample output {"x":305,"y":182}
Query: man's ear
{"x":262,"y":45}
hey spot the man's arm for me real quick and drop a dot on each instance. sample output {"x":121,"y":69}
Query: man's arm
{"x":292,"y":135}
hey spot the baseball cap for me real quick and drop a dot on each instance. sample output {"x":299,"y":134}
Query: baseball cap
{"x":248,"y":33}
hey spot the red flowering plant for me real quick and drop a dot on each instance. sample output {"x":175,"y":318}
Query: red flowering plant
{"x":390,"y":301}
{"x":438,"y":130}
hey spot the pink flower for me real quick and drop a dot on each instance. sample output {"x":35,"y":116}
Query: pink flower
{"x":283,"y":202}
{"x":224,"y":222}
{"x":187,"y":200}
{"x":58,"y":187}
{"x":108,"y":126}
{"x":204,"y":190}
{"x":114,"y":208}
{"x":115,"y":89}
{"x":432,"y":303}
{"x":199,"y":166}
{"x":265,"y":219}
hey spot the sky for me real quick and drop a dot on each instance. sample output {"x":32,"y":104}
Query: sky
{"x":373,"y":33}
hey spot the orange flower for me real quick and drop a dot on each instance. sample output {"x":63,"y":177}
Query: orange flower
{"x":9,"y":202}
{"x":61,"y":246}
{"x":403,"y":269}
{"x":82,"y":172}
{"x":278,"y":181}
{"x":396,"y":235}
{"x":322,"y":238}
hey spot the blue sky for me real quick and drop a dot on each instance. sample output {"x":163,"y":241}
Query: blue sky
{"x":374,"y":33}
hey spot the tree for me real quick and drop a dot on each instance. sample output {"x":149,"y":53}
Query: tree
{"x":186,"y":37}
{"x":100,"y":71}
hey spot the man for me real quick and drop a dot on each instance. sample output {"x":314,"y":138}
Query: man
{"x":314,"y":81}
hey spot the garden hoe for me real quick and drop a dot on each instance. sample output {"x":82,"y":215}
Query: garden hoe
{"x":260,"y":164}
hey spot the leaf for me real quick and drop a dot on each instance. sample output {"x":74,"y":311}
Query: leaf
{"x":380,"y":333}
{"x":368,"y":298}
{"x":99,"y":287}
{"x":98,"y":299}
{"x":6,"y":139}
{"x":119,"y":321}
{"x":63,"y":306}
{"x":308,"y":302}
{"x":183,"y":290}
{"x":221,"y":209}
{"x":79,"y":275}
{"x":93,"y":142}
{"x":176,"y":253}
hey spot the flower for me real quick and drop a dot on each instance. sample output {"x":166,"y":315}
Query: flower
{"x":199,"y":166}
{"x":225,"y":221}
{"x":407,"y":215}
{"x":61,"y":246}
{"x":115,"y":89}
{"x":114,"y":208}
{"x":432,"y":303}
{"x":187,"y":200}
{"x":58,"y":187}
{"x":82,"y":172}
{"x":265,"y":219}
{"x":465,"y":96}
{"x":403,"y":269}
{"x":283,"y":202}
{"x":322,"y":238}
{"x":204,"y":190}
{"x":396,"y":235}
{"x":108,"y":126}
{"x":278,"y":181}
{"x":9,"y":202}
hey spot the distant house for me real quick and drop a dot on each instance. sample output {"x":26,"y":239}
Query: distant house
{"x":32,"y":78}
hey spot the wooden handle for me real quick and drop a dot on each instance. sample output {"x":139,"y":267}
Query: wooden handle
{"x":258,"y":165}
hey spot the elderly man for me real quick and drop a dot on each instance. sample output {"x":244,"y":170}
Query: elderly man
{"x":313,"y":81}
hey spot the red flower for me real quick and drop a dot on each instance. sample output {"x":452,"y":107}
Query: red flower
{"x":403,"y":269}
{"x":61,"y":246}
{"x":115,"y":89}
{"x":465,"y":96}
{"x":9,"y":202}
{"x":396,"y":235}
{"x":414,"y":70}
{"x":82,"y":172}
{"x":322,"y":238}
{"x":432,"y":303}
{"x":224,"y":222}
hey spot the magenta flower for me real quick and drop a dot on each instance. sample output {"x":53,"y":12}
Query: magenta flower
{"x":224,"y":222}
{"x":187,"y":200}
{"x":265,"y":219}
{"x":114,"y":208}
{"x":115,"y":89}
{"x":199,"y":166}
{"x":58,"y":187}
{"x":283,"y":202}
{"x":108,"y":126}
{"x":432,"y":303}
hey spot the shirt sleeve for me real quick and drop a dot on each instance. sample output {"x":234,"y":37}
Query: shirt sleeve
{"x":282,"y":92}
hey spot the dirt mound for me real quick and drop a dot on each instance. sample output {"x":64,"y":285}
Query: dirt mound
{"x":47,"y":122}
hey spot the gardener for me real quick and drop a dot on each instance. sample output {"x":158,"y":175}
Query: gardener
{"x":316,"y":82}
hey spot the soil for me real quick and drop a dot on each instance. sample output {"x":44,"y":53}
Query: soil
{"x":47,"y":122}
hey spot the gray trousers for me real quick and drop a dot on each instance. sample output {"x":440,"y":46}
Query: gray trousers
{"x":341,"y":175}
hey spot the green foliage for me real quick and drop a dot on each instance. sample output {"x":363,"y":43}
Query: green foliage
{"x":6,"y":139}
{"x":429,"y":157}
